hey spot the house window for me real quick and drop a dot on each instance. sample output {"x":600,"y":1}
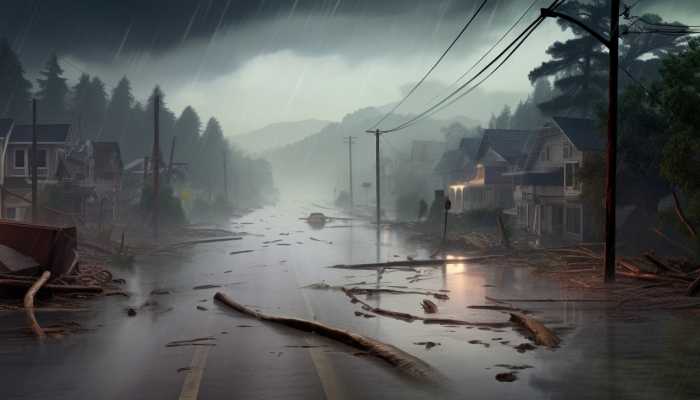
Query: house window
{"x":570,"y":176}
{"x":568,"y":151}
{"x":546,"y":153}
{"x":573,"y":220}
{"x":20,"y":158}
{"x":11,"y":213}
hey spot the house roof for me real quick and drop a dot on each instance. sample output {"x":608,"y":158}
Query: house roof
{"x":470,"y":146}
{"x":508,"y":143}
{"x":5,"y":126}
{"x":582,"y":132}
{"x":46,"y":133}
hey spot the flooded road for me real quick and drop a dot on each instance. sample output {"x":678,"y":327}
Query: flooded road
{"x":122,"y":357}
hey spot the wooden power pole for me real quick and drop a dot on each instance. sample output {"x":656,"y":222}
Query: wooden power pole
{"x":33,"y":166}
{"x":350,"y":141}
{"x":376,"y":134}
{"x":611,"y":159}
{"x":155,"y":160}
{"x":612,"y":43}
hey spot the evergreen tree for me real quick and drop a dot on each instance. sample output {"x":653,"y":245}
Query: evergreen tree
{"x":119,"y":115}
{"x":210,"y":158}
{"x":88,"y":107}
{"x":187,"y":129}
{"x":15,"y":96}
{"x":52,"y":93}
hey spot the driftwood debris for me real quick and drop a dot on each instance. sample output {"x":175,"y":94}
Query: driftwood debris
{"x":394,"y":356}
{"x":416,"y":263}
{"x":29,"y":304}
{"x":542,"y":335}
{"x":410,"y":317}
{"x":681,"y":215}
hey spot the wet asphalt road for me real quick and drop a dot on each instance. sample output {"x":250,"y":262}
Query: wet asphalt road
{"x":121,"y":357}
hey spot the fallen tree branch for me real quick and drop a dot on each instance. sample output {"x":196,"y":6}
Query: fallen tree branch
{"x":416,"y":263}
{"x":398,"y":358}
{"x":410,"y":317}
{"x":29,"y":304}
{"x":543,"y":335}
{"x":681,"y":215}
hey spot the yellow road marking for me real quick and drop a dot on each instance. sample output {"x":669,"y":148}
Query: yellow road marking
{"x":193,"y":377}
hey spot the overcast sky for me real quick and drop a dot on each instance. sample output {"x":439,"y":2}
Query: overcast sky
{"x":251,"y":63}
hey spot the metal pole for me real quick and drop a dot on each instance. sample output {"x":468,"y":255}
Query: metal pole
{"x":376,"y":135}
{"x":156,"y":166}
{"x":611,"y":161}
{"x":350,"y":141}
{"x":33,"y":165}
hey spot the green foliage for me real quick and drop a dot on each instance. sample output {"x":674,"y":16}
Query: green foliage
{"x":53,"y":92}
{"x":15,"y":89}
{"x":170,"y":207}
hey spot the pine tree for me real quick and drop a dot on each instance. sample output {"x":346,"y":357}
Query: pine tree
{"x":15,"y":96}
{"x":119,"y":115}
{"x":187,"y":129}
{"x":52,"y":93}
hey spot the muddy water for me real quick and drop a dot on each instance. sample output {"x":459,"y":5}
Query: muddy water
{"x":125,"y":357}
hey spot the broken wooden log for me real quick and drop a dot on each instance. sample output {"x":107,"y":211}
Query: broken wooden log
{"x":410,"y":317}
{"x":403,"y":361}
{"x":681,"y":215}
{"x":29,"y":304}
{"x":543,"y":335}
{"x":495,"y":300}
{"x":416,"y":263}
{"x":356,"y":290}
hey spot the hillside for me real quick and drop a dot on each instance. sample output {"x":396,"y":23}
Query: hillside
{"x":277,"y":135}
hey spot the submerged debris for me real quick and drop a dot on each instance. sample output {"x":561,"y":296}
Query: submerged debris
{"x":506,"y":377}
{"x":428,"y":345}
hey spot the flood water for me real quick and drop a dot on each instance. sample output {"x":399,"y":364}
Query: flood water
{"x":643,"y":356}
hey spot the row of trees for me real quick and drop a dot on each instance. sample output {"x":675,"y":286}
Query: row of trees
{"x":578,"y":67}
{"x":122,"y":118}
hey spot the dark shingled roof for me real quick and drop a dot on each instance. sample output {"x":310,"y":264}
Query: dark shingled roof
{"x":509,"y":143}
{"x":583,"y":133}
{"x":5,"y":126}
{"x":46,"y":133}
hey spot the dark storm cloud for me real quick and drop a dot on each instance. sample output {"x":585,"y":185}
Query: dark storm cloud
{"x":92,"y":29}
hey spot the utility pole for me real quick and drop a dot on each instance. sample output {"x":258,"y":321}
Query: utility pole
{"x":376,"y":134}
{"x":172,"y":156}
{"x":156,"y":166}
{"x":612,"y":43}
{"x":350,"y":141}
{"x":225,"y":177}
{"x":33,"y":165}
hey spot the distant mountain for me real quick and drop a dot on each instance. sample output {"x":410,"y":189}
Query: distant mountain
{"x":320,"y":161}
{"x":277,"y":135}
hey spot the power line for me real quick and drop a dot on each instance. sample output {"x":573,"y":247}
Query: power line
{"x":442,"y":56}
{"x":507,"y":32}
{"x":526,"y":33}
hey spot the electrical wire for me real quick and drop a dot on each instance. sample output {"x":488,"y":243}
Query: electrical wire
{"x":507,"y":32}
{"x":442,"y":56}
{"x":516,"y":42}
{"x":433,"y":110}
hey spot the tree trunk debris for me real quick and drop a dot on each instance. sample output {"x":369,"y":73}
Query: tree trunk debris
{"x":29,"y":304}
{"x":403,"y":361}
{"x":543,"y":336}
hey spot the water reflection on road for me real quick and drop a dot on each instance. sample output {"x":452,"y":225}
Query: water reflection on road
{"x":126,"y":357}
